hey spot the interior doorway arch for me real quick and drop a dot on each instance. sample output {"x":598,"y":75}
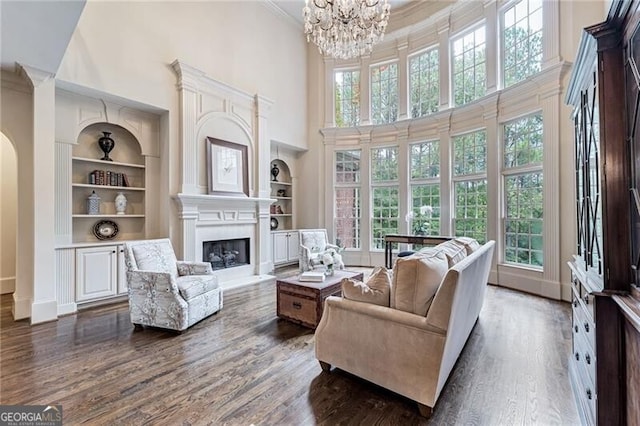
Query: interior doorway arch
{"x":8,"y":214}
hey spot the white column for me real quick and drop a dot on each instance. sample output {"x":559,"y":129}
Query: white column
{"x":44,"y":305}
{"x":551,"y":39}
{"x":404,"y":175}
{"x":443,"y":62}
{"x":63,"y":209}
{"x":491,"y":47}
{"x":365,"y":90}
{"x":403,"y":79}
{"x":329,"y":90}
{"x":551,"y":286}
{"x":264,"y":262}
{"x":446,"y":187}
{"x":188,"y":89}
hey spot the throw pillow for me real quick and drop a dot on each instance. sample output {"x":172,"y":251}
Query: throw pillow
{"x":469,"y":244}
{"x":374,"y":290}
{"x":416,"y":279}
{"x":455,"y":252}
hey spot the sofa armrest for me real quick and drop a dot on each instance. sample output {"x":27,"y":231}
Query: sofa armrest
{"x":151,"y":281}
{"x":331,"y":246}
{"x":194,"y":268}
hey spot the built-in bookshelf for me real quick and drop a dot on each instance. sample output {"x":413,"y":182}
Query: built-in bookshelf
{"x":126,"y":174}
{"x":282,"y":192}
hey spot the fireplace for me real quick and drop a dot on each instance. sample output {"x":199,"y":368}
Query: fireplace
{"x":223,"y":254}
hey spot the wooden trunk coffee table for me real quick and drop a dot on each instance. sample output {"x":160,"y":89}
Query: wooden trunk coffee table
{"x":302,"y":302}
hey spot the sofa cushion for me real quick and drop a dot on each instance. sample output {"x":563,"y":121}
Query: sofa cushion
{"x":416,"y":279}
{"x":376,"y":289}
{"x":453,"y":250}
{"x":156,"y":257}
{"x":470,"y":244}
{"x":191,"y":286}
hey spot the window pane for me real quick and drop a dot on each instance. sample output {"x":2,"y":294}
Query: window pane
{"x":425,"y":209}
{"x":470,"y":153}
{"x":523,"y":142}
{"x":523,"y":222}
{"x":384,"y":164}
{"x":424,"y":83}
{"x":384,"y":219}
{"x":425,"y":160}
{"x":347,"y":217}
{"x":348,"y":166}
{"x":468,"y":68}
{"x":471,"y":209}
{"x":347,"y":98}
{"x":522,"y":41}
{"x":384,"y":93}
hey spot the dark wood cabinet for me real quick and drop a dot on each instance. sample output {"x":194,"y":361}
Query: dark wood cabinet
{"x":604,"y":91}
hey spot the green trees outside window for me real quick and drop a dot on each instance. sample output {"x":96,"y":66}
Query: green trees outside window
{"x":521,"y":41}
{"x":469,"y":66}
{"x":384,"y":93}
{"x":424,"y":83}
{"x":347,"y":98}
{"x":384,"y":194}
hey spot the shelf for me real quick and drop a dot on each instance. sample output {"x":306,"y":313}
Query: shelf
{"x":86,"y":216}
{"x":283,"y":198}
{"x":281,"y":183}
{"x":107,"y":163}
{"x":119,"y":188}
{"x":282,"y":215}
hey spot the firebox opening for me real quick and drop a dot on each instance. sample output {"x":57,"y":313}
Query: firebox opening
{"x":226,"y":253}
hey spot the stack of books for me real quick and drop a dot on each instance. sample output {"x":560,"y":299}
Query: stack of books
{"x":312,"y":276}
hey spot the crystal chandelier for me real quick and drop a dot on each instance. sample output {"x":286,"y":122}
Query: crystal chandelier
{"x":345,"y":28}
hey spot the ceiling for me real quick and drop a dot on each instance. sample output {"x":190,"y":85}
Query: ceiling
{"x":36,"y":33}
{"x":293,"y":8}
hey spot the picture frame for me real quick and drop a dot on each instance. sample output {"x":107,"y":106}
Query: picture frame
{"x":227,"y":168}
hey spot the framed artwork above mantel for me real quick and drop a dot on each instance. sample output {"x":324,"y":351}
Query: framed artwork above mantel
{"x":227,"y":168}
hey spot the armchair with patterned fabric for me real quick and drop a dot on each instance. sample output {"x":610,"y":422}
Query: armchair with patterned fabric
{"x":165,"y":292}
{"x":313,"y":245}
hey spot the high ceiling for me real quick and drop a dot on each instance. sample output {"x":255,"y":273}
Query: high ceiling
{"x":293,"y":8}
{"x":36,"y":33}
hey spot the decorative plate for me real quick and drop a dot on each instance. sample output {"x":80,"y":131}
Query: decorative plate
{"x":105,"y":230}
{"x":274,"y":223}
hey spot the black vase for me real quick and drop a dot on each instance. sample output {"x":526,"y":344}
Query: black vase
{"x":106,"y":145}
{"x":275,"y":171}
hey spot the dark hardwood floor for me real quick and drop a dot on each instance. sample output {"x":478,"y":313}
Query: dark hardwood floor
{"x":245,"y":366}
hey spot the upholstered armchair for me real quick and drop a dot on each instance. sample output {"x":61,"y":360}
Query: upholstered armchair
{"x":313,"y":244}
{"x":165,"y":292}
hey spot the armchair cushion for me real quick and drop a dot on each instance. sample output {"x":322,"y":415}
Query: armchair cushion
{"x":194,"y":268}
{"x":156,"y":257}
{"x":376,"y":289}
{"x":469,"y":244}
{"x":191,"y":286}
{"x":416,"y":279}
{"x":454,"y":251}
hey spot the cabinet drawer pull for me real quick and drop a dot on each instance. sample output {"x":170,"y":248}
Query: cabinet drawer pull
{"x":576,"y":328}
{"x":589,"y":393}
{"x":577,"y":356}
{"x":113,"y":251}
{"x":575,"y":303}
{"x":297,"y":305}
{"x":587,"y":358}
{"x":586,"y":327}
{"x":586,"y":299}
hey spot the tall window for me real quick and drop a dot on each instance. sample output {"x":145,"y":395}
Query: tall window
{"x":521,"y":40}
{"x":470,"y":185}
{"x":384,"y":93}
{"x":522,"y":174}
{"x":424,"y":218}
{"x":347,"y":203}
{"x":384,"y":190}
{"x":347,"y":98}
{"x":424,"y":83}
{"x":469,"y":70}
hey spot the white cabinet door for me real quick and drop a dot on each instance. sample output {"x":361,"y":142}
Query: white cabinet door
{"x":294,"y":245}
{"x":96,"y":272}
{"x":122,"y":272}
{"x":280,"y":247}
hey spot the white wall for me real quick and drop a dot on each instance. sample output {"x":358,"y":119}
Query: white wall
{"x":125,"y":48}
{"x":8,"y":210}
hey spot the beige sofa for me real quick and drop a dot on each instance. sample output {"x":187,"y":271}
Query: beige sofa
{"x":407,"y":353}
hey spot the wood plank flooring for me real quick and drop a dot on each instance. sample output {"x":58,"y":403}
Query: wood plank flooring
{"x":245,"y":366}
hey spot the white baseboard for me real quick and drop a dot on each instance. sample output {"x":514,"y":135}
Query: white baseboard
{"x":67,"y":308}
{"x":21,"y":308}
{"x":7,"y":285}
{"x":44,"y":311}
{"x":530,"y":284}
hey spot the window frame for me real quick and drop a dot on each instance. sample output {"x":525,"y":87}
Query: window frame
{"x":391,"y":184}
{"x":452,"y":39}
{"x":348,"y":185}
{"x":352,"y":70}
{"x":413,"y":55}
{"x":425,"y":181}
{"x":395,"y":62}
